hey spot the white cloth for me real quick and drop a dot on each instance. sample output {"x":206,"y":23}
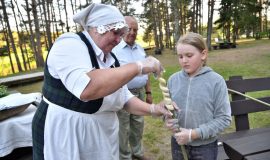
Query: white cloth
{"x":16,"y":132}
{"x":73,"y":74}
{"x":128,"y":54}
{"x":72,"y":135}
{"x":18,"y":99}
{"x":96,"y":15}
{"x":75,"y":135}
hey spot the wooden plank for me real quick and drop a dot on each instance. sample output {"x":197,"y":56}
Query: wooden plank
{"x":249,"y":106}
{"x":239,"y":134}
{"x":221,"y":153}
{"x":248,"y":85}
{"x":248,"y":145}
{"x":20,"y":79}
{"x":260,"y":156}
{"x":235,"y":135}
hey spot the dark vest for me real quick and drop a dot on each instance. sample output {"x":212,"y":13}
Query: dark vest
{"x":55,"y":91}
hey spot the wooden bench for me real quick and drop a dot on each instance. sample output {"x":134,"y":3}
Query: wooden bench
{"x":4,"y":51}
{"x":241,"y":107}
{"x":223,"y":44}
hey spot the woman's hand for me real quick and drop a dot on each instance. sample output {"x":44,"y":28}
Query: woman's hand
{"x":159,"y":110}
{"x":172,"y":124}
{"x":150,"y":65}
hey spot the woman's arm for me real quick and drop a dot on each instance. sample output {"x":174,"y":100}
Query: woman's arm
{"x":139,"y":107}
{"x":106,"y":81}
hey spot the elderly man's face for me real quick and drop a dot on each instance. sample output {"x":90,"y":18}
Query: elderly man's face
{"x":131,"y":35}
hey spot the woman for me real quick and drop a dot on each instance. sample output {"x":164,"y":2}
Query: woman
{"x":84,"y":87}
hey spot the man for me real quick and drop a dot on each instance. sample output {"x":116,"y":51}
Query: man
{"x":131,"y":126}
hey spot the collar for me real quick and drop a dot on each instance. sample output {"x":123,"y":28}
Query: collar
{"x":203,"y":70}
{"x":123,"y":44}
{"x":96,"y":49}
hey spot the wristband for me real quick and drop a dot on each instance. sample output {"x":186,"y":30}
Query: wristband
{"x":189,"y":135}
{"x":140,"y":67}
{"x":152,"y":109}
{"x":149,"y":92}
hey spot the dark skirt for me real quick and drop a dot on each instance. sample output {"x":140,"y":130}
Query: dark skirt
{"x":38,"y":125}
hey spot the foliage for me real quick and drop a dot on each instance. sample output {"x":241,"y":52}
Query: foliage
{"x":3,"y":91}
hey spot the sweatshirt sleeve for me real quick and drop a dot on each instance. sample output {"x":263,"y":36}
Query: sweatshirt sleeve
{"x":222,"y":113}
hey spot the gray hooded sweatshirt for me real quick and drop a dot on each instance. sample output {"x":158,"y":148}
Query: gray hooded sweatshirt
{"x":203,"y":101}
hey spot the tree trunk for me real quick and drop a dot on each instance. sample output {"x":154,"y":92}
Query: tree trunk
{"x":61,"y":23}
{"x":167,"y":26}
{"x":159,"y":26}
{"x":46,"y":12}
{"x":73,"y":11}
{"x":176,"y":21}
{"x":211,"y":4}
{"x":65,"y":7}
{"x":39,"y":56}
{"x":28,"y":34}
{"x":19,"y":36}
{"x":32,"y":37}
{"x":11,"y":36}
{"x":260,"y":17}
{"x":8,"y":46}
{"x":54,"y":23}
{"x":153,"y":9}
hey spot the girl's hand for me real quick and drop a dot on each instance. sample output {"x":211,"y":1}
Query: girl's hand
{"x":184,"y":136}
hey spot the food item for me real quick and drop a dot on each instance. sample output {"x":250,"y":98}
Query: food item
{"x":166,"y":95}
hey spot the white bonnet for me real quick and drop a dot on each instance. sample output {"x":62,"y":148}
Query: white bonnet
{"x":104,"y":17}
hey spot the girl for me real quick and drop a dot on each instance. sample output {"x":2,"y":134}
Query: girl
{"x":202,"y":97}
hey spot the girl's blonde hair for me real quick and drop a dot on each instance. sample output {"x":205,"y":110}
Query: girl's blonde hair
{"x":194,"y":39}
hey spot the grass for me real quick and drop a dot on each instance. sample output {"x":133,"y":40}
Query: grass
{"x":250,"y":59}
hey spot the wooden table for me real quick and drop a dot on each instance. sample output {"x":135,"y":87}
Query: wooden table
{"x":249,"y":145}
{"x":224,"y":45}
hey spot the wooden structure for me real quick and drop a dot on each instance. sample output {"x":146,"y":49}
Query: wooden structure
{"x":220,"y":44}
{"x":22,"y":79}
{"x":246,"y":143}
{"x":4,"y":51}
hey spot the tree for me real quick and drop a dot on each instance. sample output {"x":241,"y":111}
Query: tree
{"x":46,"y":13}
{"x":7,"y":43}
{"x":24,"y":41}
{"x":11,"y":36}
{"x":211,"y":5}
{"x":225,"y":20}
{"x":176,"y":20}
{"x":65,"y":8}
{"x":39,"y":55}
{"x":19,"y":36}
